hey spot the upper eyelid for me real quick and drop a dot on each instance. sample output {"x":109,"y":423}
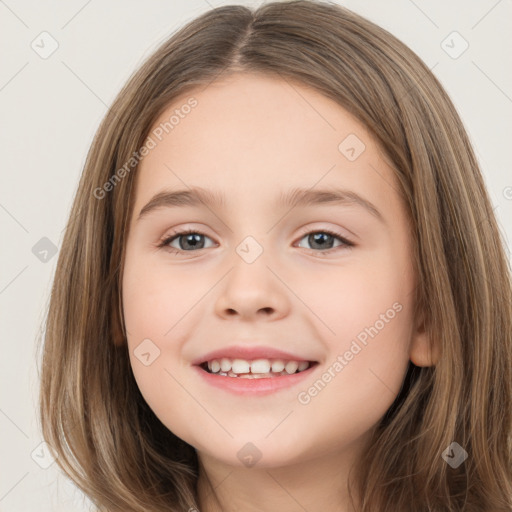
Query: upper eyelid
{"x":305,"y":231}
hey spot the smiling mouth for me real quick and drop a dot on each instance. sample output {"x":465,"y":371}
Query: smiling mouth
{"x":256,"y":369}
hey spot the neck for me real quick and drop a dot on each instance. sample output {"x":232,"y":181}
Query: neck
{"x":319,"y":483}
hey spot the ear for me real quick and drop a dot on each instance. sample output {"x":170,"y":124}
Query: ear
{"x":423,"y":350}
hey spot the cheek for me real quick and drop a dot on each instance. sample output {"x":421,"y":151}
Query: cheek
{"x":365,"y":300}
{"x":154,"y":299}
{"x":366,"y":321}
{"x":370,"y":318}
{"x":155,"y":310}
{"x":360,"y":379}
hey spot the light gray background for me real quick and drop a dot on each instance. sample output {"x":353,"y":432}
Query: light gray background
{"x":50,"y":109}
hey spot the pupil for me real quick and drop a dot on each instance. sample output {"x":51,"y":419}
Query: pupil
{"x":192,"y":240}
{"x":315,"y":238}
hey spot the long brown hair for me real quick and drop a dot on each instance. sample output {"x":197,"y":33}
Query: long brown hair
{"x":93,"y":416}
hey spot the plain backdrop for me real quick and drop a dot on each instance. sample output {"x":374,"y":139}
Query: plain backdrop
{"x":51,"y":106}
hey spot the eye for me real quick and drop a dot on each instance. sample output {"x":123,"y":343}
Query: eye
{"x":322,"y":240}
{"x":190,"y":240}
{"x":186,"y":239}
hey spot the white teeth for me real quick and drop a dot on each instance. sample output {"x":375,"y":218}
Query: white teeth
{"x":260,"y":366}
{"x":291,"y":367}
{"x":240,"y":366}
{"x":225,"y":364}
{"x":302,"y":366}
{"x":278,"y":366}
{"x":257,"y":368}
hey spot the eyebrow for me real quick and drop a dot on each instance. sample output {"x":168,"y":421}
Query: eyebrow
{"x":296,"y":197}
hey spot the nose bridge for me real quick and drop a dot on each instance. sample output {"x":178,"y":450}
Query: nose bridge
{"x":250,"y":249}
{"x":252,"y":231}
{"x":250,"y":265}
{"x":251,"y":287}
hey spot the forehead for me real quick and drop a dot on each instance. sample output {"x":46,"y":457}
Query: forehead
{"x":250,"y":135}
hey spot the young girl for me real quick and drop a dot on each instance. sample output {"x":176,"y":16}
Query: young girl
{"x":282,"y":285}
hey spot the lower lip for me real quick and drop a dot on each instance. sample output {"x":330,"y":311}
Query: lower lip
{"x":252,"y":387}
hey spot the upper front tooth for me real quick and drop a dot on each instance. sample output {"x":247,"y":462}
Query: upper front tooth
{"x":240,"y":366}
{"x":260,"y":366}
{"x":215,"y":366}
{"x":225,"y":364}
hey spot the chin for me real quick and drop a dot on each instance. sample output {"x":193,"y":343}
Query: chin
{"x":259,"y":453}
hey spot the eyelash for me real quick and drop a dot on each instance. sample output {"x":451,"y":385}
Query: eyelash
{"x":168,"y":239}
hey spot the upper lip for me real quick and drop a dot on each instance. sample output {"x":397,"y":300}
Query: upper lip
{"x":249,"y":353}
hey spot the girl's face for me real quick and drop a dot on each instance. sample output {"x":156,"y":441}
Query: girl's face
{"x":262,"y":271}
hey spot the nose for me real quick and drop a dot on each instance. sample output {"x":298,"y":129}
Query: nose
{"x":251,"y":292}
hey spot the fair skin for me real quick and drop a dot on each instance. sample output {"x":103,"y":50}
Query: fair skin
{"x":251,"y":137}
